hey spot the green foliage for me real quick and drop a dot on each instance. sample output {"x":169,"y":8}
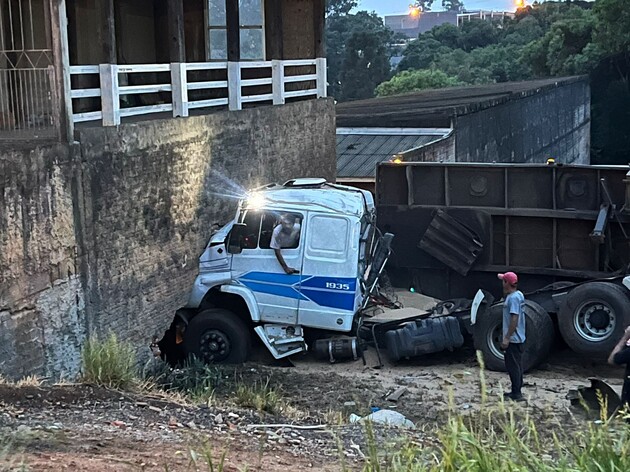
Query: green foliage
{"x":501,"y":438}
{"x":612,"y":31}
{"x":358,"y":52}
{"x":194,"y":379}
{"x":108,"y":363}
{"x":411,"y":81}
{"x":260,"y":396}
{"x":340,"y":7}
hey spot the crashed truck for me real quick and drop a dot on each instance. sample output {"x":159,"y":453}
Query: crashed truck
{"x":446,"y":231}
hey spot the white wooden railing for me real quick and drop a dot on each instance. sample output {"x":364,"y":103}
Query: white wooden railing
{"x":272,"y":74}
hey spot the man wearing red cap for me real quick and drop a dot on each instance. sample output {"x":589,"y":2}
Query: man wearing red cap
{"x":513,"y":333}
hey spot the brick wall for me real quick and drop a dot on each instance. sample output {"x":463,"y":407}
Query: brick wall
{"x":107,"y":239}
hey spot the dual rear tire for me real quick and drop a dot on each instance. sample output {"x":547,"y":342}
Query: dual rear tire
{"x":591,"y":320}
{"x":539,"y":335}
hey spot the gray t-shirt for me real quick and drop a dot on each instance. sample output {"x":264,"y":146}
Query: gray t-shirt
{"x":280,"y":239}
{"x":513,"y":305}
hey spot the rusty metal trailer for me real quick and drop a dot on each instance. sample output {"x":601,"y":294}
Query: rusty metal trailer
{"x":563,"y":229}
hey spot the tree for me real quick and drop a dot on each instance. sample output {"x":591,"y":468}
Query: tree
{"x":358,"y":54}
{"x":612,"y":29}
{"x":421,"y":53}
{"x":411,"y":81}
{"x":478,"y":34}
{"x":340,"y":7}
{"x":447,"y":34}
{"x":453,"y":5}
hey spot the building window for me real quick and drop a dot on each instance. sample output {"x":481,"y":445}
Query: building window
{"x":251,"y":30}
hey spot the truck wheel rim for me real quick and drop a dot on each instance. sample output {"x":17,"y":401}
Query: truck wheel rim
{"x":214,"y":346}
{"x":594,"y":321}
{"x":493,"y":339}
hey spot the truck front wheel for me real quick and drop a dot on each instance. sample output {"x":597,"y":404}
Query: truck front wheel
{"x":593,"y":317}
{"x":217,"y":336}
{"x":539,"y":334}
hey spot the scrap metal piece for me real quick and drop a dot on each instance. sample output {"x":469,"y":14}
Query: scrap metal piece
{"x":451,"y":242}
{"x":587,"y":397}
{"x":598,"y":234}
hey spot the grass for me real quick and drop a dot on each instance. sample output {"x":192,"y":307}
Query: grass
{"x":108,"y":363}
{"x":500,"y":438}
{"x":194,"y":380}
{"x":260,"y":396}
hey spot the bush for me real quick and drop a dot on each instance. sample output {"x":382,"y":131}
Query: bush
{"x":194,"y":379}
{"x":260,"y":396}
{"x":108,"y":363}
{"x":412,"y":81}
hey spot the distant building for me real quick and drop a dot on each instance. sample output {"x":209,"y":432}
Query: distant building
{"x":483,"y":15}
{"x":412,"y":26}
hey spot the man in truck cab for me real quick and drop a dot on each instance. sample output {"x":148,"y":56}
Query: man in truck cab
{"x":286,"y":235}
{"x":513,"y":333}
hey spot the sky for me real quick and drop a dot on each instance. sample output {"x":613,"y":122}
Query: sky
{"x":389,"y":7}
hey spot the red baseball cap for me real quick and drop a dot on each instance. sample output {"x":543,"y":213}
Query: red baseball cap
{"x":509,"y":277}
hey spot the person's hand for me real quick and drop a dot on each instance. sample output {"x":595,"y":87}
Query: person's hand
{"x":505,"y":343}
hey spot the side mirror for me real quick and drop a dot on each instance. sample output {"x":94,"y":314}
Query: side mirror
{"x":237,"y":236}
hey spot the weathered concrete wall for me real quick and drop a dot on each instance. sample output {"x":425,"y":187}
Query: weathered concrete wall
{"x":158,"y":187}
{"x":442,"y":150}
{"x":41,"y":297}
{"x":107,"y":239}
{"x":554,"y":122}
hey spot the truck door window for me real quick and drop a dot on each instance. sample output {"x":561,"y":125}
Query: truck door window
{"x":252,"y":220}
{"x":328,"y":237}
{"x":271,"y":220}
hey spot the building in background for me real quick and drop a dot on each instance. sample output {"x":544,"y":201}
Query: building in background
{"x":413,"y":25}
{"x":515,"y":122}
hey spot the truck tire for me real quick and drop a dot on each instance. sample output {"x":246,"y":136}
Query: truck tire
{"x":593,"y":317}
{"x":217,"y":336}
{"x":539,"y":335}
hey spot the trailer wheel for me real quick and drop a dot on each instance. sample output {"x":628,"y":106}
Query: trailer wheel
{"x":593,"y":317}
{"x":539,"y":334}
{"x":217,"y":336}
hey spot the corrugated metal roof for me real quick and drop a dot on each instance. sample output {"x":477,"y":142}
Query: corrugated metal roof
{"x":360,"y":150}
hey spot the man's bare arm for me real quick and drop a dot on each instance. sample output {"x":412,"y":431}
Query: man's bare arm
{"x":513,"y":324}
{"x":284,"y":265}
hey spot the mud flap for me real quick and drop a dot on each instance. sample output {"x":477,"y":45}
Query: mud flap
{"x":593,"y":398}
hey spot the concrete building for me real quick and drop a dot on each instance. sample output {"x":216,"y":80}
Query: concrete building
{"x":516,"y":122}
{"x":411,"y":26}
{"x":127,"y":129}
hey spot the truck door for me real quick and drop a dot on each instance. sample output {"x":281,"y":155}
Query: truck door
{"x":330,"y":293}
{"x":257,"y":267}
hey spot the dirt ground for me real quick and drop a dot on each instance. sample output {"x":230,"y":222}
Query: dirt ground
{"x":78,"y":427}
{"x":85,"y":428}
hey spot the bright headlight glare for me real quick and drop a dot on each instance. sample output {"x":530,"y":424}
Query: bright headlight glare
{"x":256,"y":200}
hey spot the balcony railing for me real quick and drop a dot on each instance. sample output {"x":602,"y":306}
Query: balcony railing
{"x":109,"y":92}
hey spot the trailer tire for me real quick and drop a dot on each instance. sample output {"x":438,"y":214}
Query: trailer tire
{"x":593,"y":317}
{"x":539,"y":335}
{"x":217,"y":336}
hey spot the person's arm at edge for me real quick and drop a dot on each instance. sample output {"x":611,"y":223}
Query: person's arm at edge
{"x":620,"y":345}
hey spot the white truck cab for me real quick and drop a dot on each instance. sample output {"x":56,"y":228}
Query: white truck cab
{"x":242,"y":287}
